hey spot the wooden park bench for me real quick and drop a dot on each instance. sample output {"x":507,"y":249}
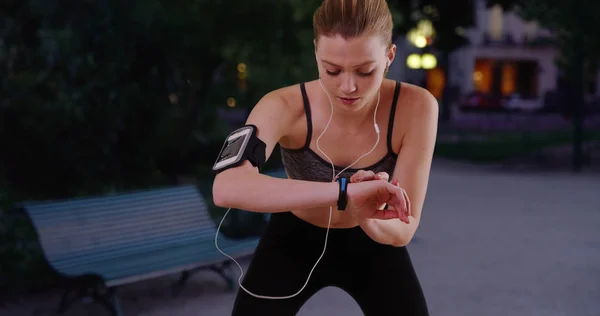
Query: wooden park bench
{"x":99,"y":243}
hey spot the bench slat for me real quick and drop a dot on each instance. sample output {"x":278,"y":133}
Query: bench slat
{"x":107,"y":201}
{"x":128,"y":235}
{"x":197,"y":238}
{"x":111,"y":232}
{"x":117,"y":268}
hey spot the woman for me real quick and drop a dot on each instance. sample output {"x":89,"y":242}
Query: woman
{"x":330,"y":122}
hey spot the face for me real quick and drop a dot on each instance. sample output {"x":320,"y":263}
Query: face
{"x":353,"y":69}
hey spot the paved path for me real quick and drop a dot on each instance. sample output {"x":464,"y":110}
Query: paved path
{"x":491,"y":243}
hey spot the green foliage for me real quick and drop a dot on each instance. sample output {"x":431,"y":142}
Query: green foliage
{"x":108,"y":95}
{"x":86,"y":91}
{"x":574,"y":28}
{"x":105,"y":96}
{"x":449,"y":19}
{"x":575,"y":34}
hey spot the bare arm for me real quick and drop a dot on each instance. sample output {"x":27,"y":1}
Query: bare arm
{"x":412,"y":172}
{"x":243,"y":187}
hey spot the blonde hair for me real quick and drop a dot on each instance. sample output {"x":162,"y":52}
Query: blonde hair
{"x":351,"y":18}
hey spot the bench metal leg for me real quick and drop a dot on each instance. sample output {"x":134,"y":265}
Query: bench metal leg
{"x":178,"y":286}
{"x":79,"y":289}
{"x":222,"y":271}
{"x":117,"y":304}
{"x":110,"y":301}
{"x":65,"y":302}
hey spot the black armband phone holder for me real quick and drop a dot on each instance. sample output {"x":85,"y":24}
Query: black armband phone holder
{"x":242,"y":144}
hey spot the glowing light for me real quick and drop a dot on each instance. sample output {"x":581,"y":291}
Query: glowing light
{"x":413,"y":61}
{"x":231,"y":102}
{"x":420,"y":41}
{"x":241,"y":67}
{"x":422,"y":35}
{"x":425,"y":28}
{"x":428,"y":61}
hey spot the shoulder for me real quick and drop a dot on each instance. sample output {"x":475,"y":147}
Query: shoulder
{"x":278,"y":112}
{"x":285,"y":102}
{"x":416,"y":103}
{"x":416,"y":117}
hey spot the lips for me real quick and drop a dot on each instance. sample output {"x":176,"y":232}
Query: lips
{"x":349,"y":100}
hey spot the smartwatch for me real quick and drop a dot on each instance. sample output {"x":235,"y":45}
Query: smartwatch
{"x":343,"y":194}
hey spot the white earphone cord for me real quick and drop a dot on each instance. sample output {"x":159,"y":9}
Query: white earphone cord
{"x":330,"y":208}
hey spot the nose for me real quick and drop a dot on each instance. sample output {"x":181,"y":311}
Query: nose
{"x":348,"y":85}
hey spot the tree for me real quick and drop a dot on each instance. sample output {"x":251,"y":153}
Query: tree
{"x":105,"y":95}
{"x":108,"y":95}
{"x":111,"y":95}
{"x":449,"y":20}
{"x":575,"y":35}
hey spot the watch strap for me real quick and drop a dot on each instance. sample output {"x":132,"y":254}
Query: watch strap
{"x":343,"y":194}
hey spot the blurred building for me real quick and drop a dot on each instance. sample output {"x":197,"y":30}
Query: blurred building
{"x":508,"y":62}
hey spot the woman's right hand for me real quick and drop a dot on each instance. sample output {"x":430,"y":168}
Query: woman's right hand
{"x":367,"y":199}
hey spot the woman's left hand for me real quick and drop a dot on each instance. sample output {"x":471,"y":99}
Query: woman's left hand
{"x":364,"y":175}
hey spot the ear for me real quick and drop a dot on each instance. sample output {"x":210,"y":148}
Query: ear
{"x":391,"y":54}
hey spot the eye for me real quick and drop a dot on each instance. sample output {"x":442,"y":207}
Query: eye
{"x":332,"y":73}
{"x":365,"y":74}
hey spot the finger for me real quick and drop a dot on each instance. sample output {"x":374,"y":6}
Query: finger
{"x":408,"y":208}
{"x":395,"y":198}
{"x":356,"y":177}
{"x":385,"y":214}
{"x":382,"y":176}
{"x":370,"y":175}
{"x":362,"y":175}
{"x":406,"y":204}
{"x":398,"y":202}
{"x":402,"y":215}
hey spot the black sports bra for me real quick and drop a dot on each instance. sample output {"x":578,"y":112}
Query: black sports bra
{"x":304,"y":164}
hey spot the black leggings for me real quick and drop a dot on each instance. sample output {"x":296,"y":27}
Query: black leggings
{"x":380,"y":278}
